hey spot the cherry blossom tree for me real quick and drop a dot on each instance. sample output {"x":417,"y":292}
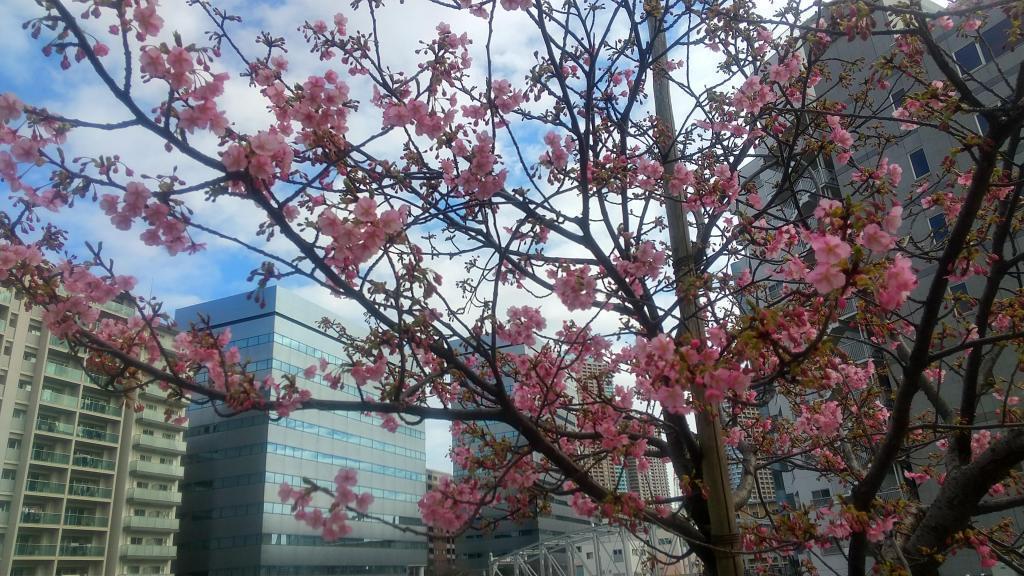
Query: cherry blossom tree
{"x":595,"y":242}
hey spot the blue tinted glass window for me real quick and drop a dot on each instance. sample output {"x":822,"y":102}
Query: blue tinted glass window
{"x":982,"y":123}
{"x":940,"y":229}
{"x":897,"y":97}
{"x":968,"y":57}
{"x":996,"y":40}
{"x":919,"y":162}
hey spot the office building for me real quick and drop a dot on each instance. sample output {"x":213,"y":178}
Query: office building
{"x":921,"y":153}
{"x":233,"y":523}
{"x":441,"y":551}
{"x":88,"y":487}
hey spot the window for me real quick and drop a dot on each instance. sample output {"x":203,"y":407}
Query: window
{"x":29,"y":356}
{"x":940,"y":229}
{"x":961,"y":299}
{"x":5,"y":506}
{"x":617,"y":555}
{"x":7,"y":474}
{"x":996,"y":40}
{"x":897,"y":97}
{"x":18,"y":414}
{"x":982,"y":123}
{"x":35,"y":328}
{"x":14,"y":444}
{"x":969,"y":58}
{"x":7,"y":349}
{"x":24,"y":384}
{"x":135,"y":540}
{"x":821,"y":498}
{"x":919,"y":163}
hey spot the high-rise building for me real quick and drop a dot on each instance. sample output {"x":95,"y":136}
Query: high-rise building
{"x":233,"y":523}
{"x":921,"y":152}
{"x":88,"y":487}
{"x":441,"y":551}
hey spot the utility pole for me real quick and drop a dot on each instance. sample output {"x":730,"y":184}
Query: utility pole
{"x":724,"y":533}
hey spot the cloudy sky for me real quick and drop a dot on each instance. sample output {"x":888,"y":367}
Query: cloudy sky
{"x":221,"y":270}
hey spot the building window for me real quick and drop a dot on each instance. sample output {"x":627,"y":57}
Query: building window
{"x":617,"y":555}
{"x":982,"y":123}
{"x":996,"y":40}
{"x":821,"y":498}
{"x":29,"y":356}
{"x":897,"y":97}
{"x":939,"y":226}
{"x":18,"y":414}
{"x":969,"y":58}
{"x":14,"y":444}
{"x":7,"y":349}
{"x":7,"y":474}
{"x":135,"y":540}
{"x":961,"y":299}
{"x":24,"y":384}
{"x":919,"y":163}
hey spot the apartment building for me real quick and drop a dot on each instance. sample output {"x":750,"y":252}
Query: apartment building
{"x":233,"y":523}
{"x":441,"y":551}
{"x":88,"y":487}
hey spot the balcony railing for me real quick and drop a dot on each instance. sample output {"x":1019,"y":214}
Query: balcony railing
{"x":52,"y":457}
{"x":100,"y":408}
{"x":119,"y":309}
{"x":32,"y":517}
{"x":148,"y":550}
{"x":65,"y":372}
{"x":158,"y":443}
{"x":87,"y":491}
{"x":44,"y":486}
{"x":21,"y":549}
{"x":92,"y":462}
{"x":101,"y":435}
{"x":149,"y":495}
{"x":51,"y":397}
{"x":86,"y":520}
{"x":81,"y":550}
{"x":157,"y":418}
{"x":150,"y":523}
{"x":55,"y":427}
{"x":157,"y":469}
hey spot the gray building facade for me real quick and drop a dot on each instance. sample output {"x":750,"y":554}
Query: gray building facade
{"x":985,"y":65}
{"x":233,"y":523}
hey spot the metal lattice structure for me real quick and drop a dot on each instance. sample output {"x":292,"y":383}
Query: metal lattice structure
{"x":602,"y":551}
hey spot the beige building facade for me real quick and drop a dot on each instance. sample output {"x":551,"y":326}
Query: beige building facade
{"x":88,"y":486}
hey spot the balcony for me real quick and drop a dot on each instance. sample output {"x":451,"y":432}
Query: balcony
{"x":154,"y":496}
{"x":156,"y":443}
{"x":151,"y":523}
{"x":58,"y":399}
{"x":93,"y":462}
{"x":155,"y":418}
{"x":45,"y":487}
{"x":157,"y":469}
{"x":82,"y":550}
{"x":40,"y":518}
{"x":111,"y":410}
{"x":50,"y":457}
{"x":97,"y":435}
{"x":86,"y":521}
{"x":88,"y":491}
{"x":21,"y":549}
{"x":119,"y":309}
{"x":148,"y":551}
{"x":59,"y":343}
{"x":65,"y":372}
{"x":53,"y":427}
